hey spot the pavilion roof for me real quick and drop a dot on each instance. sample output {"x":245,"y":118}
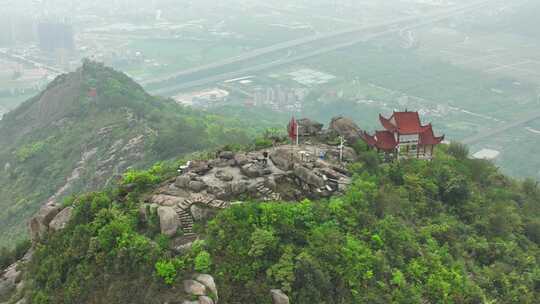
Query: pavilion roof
{"x":404,"y":123}
{"x":383,"y":140}
{"x":428,"y":137}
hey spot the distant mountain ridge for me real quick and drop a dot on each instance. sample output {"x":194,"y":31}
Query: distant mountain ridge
{"x":86,"y":128}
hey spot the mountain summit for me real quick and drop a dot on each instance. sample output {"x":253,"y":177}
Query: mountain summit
{"x":84,"y":130}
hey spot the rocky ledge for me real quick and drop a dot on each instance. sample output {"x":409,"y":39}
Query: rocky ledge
{"x":288,"y":173}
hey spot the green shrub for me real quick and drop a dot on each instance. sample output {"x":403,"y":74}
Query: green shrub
{"x":144,"y":178}
{"x":263,"y":143}
{"x":10,"y":256}
{"x":166,"y":271}
{"x":203,"y":262}
{"x":28,"y":151}
{"x":458,"y":150}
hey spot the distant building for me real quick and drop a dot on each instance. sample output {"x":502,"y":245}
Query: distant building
{"x":204,"y":99}
{"x":55,"y":36}
{"x":487,"y":154}
{"x":404,"y":137}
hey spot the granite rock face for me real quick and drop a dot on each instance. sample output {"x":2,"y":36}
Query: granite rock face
{"x":287,"y":173}
{"x":346,"y":127}
{"x":278,"y":297}
{"x":61,"y":219}
{"x":168,"y":220}
{"x":203,"y":287}
{"x":39,"y":224}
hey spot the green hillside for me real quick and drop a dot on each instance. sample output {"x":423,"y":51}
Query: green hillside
{"x":454,"y":230}
{"x":84,"y":131}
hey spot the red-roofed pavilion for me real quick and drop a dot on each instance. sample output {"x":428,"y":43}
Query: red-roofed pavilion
{"x":404,"y":136}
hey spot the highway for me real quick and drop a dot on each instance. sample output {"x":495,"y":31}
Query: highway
{"x":22,"y":59}
{"x":386,"y":28}
{"x":489,"y":133}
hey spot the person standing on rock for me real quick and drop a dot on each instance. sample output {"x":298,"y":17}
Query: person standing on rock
{"x":265,"y":158}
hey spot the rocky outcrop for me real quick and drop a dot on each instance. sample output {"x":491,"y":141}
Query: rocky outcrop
{"x":283,"y":158}
{"x":224,"y":176}
{"x":203,"y":187}
{"x":194,"y":288}
{"x":208,"y":281}
{"x":308,"y":176}
{"x":345,"y":127}
{"x":61,"y":219}
{"x":168,"y":220}
{"x":205,"y":300}
{"x":308,"y":127}
{"x":278,"y":297}
{"x":254,"y":170}
{"x":226,"y":155}
{"x":203,"y":287}
{"x":39,"y":224}
{"x":197,"y":186}
{"x":8,"y":281}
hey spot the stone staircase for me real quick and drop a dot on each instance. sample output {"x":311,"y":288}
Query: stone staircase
{"x":184,"y":213}
{"x":268,"y":194}
{"x":186,"y":220}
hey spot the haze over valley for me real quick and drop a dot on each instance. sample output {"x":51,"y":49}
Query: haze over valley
{"x":287,"y":151}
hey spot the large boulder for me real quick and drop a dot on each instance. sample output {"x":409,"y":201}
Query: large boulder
{"x":345,"y":127}
{"x":238,"y":187}
{"x":182,"y":181}
{"x":166,"y":200}
{"x":39,"y":224}
{"x":241,"y":159}
{"x":308,"y":176}
{"x":168,"y":220}
{"x":61,"y":219}
{"x":226,"y":155}
{"x":278,"y":297}
{"x":200,"y":213}
{"x":349,"y":155}
{"x":205,"y":300}
{"x":308,"y":127}
{"x":223,"y":176}
{"x":255,"y":170}
{"x":194,"y":288}
{"x":199,"y":167}
{"x":283,"y":158}
{"x":8,"y":281}
{"x":208,"y":281}
{"x":197,"y":186}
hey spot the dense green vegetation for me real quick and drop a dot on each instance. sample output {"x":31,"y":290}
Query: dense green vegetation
{"x":453,"y":230}
{"x":10,"y":256}
{"x":65,"y":132}
{"x":107,"y":254}
{"x":450,"y":231}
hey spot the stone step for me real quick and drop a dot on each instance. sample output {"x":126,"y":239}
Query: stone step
{"x":184,"y":205}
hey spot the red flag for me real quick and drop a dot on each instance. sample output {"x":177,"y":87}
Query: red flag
{"x":293,"y":128}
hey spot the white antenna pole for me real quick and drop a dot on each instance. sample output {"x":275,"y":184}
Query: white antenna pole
{"x":341,"y":149}
{"x":297,"y":134}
